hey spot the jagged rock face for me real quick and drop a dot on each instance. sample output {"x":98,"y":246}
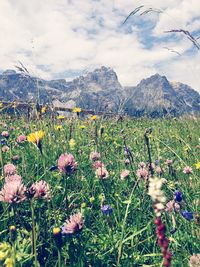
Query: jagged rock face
{"x":100,"y":90}
{"x":23,"y":87}
{"x":156,"y":96}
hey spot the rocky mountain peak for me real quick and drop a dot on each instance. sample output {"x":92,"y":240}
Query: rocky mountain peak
{"x":100,"y":90}
{"x":154,"y":79}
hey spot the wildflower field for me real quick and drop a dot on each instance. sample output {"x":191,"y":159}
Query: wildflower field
{"x":99,"y":192}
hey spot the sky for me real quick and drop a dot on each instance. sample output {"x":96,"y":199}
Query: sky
{"x":67,"y":38}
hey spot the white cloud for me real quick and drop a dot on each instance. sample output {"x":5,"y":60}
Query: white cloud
{"x":55,"y":36}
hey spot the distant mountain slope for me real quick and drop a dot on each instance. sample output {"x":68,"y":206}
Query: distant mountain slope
{"x":100,"y":90}
{"x":156,"y":96}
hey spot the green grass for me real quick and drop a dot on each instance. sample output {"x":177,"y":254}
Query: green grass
{"x":127,"y":237}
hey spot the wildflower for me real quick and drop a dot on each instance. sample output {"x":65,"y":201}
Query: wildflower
{"x":163,"y":241}
{"x":156,"y":162}
{"x":98,"y":164}
{"x":82,"y":127}
{"x":158,"y":170}
{"x":13,"y":192}
{"x":197,"y":165}
{"x":21,"y":138}
{"x":124,"y":174}
{"x":194,"y":260}
{"x":106,"y":210}
{"x":188,"y":215}
{"x":5,"y":134}
{"x":142,"y":173}
{"x":57,"y":236}
{"x":102,"y":197}
{"x":74,"y":224}
{"x":169,"y":162}
{"x":72,"y":144}
{"x":171,"y":184}
{"x":35,"y":137}
{"x":5,"y":148}
{"x":13,"y":232}
{"x":9,"y":169}
{"x":187,"y":170}
{"x":15,"y":158}
{"x":40,"y":190}
{"x":1,"y":104}
{"x":44,"y":109}
{"x":3,"y":142}
{"x":94,"y":156}
{"x":13,"y":178}
{"x":67,"y":163}
{"x":83,"y":205}
{"x":171,"y":205}
{"x":92,"y":199}
{"x":76,"y":110}
{"x":157,"y":195}
{"x":58,"y":127}
{"x":178,"y":196}
{"x":60,"y":117}
{"x":102,"y":173}
{"x":142,"y":165}
{"x":93,"y":118}
{"x":56,"y":231}
{"x":151,"y":166}
{"x":12,"y":228}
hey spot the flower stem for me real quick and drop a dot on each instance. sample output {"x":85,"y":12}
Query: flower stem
{"x":34,"y":251}
{"x":14,"y":253}
{"x":124,"y":223}
{"x":1,"y":159}
{"x":59,"y":258}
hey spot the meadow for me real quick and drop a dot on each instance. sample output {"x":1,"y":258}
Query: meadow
{"x":99,"y":192}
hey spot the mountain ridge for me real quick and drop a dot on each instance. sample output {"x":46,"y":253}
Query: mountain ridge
{"x":101,"y":90}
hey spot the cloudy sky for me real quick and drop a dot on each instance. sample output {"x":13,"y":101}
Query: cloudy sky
{"x":66,"y":38}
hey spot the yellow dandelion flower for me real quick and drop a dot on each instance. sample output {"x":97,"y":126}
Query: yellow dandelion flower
{"x":35,"y":137}
{"x":1,"y":104}
{"x":44,"y":109}
{"x":72,"y":144}
{"x":56,"y":230}
{"x":93,"y":117}
{"x":60,"y":117}
{"x":82,"y":127}
{"x":58,"y":127}
{"x":12,"y":228}
{"x":197,"y":165}
{"x":76,"y":110}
